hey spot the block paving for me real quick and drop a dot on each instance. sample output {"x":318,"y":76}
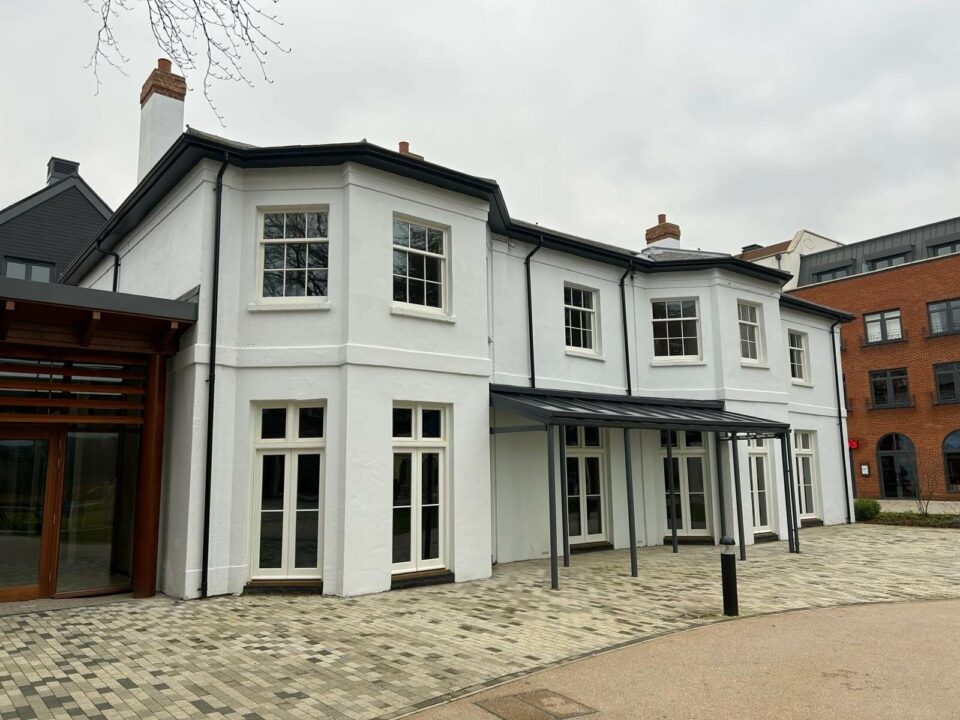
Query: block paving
{"x":386,"y":655}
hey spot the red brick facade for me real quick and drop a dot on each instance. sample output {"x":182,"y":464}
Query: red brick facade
{"x":927,"y":422}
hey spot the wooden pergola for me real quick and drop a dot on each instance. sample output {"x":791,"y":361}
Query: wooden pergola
{"x":77,"y":358}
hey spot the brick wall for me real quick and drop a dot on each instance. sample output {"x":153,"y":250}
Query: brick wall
{"x":910,"y":288}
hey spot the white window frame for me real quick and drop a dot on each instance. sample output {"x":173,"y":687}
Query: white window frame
{"x":680,"y":450}
{"x":799,"y":451}
{"x":580,"y":452}
{"x":803,"y":349}
{"x":290,"y":447}
{"x":416,"y":446}
{"x":672,"y":359}
{"x":758,"y":454}
{"x":288,"y":301}
{"x":405,"y":307}
{"x":593,"y":315}
{"x":757,"y":326}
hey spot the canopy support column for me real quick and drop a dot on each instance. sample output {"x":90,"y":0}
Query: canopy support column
{"x":552,"y":494}
{"x":631,"y":510}
{"x":787,"y":494}
{"x":735,"y":453}
{"x":793,"y":498}
{"x":672,"y":482}
{"x":565,"y":516}
{"x":717,"y":450}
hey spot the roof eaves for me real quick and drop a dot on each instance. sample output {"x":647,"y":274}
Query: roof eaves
{"x":796,"y":303}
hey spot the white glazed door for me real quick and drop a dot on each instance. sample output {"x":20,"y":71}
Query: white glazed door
{"x":586,"y":516}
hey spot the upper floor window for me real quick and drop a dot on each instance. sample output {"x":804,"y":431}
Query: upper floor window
{"x":947,"y":380}
{"x":751,"y":334}
{"x":27,"y":270}
{"x":834,"y":274}
{"x":883,"y":326}
{"x":676,"y":329}
{"x":946,"y":249}
{"x":797,"y":342}
{"x":889,"y":388}
{"x":944,"y":316}
{"x":294,"y":251}
{"x":419,"y":263}
{"x":888,"y":261}
{"x":580,"y":318}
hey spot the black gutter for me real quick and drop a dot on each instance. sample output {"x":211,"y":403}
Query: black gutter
{"x":843,"y":448}
{"x":626,"y":336}
{"x":116,"y":264}
{"x":533,"y":358}
{"x":212,"y":379}
{"x":796,"y":303}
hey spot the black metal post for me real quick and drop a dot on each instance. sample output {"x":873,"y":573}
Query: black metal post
{"x":717,"y":451}
{"x":631,"y":510}
{"x":552,"y":495}
{"x":564,"y":510}
{"x":793,"y":499}
{"x":728,"y":577}
{"x":672,"y":482}
{"x":735,"y":453}
{"x":787,"y":495}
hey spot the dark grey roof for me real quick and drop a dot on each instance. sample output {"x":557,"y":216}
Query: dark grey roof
{"x":194,"y":146}
{"x":916,"y":244}
{"x":90,"y":299}
{"x":52,"y":225}
{"x":556,"y":407}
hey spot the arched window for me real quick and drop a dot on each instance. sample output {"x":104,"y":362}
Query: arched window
{"x":951,"y":459}
{"x":897,"y":462}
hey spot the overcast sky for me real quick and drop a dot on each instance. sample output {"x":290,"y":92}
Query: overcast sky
{"x":743,"y":121}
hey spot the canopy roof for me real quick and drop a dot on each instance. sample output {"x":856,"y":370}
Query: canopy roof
{"x":558,"y":407}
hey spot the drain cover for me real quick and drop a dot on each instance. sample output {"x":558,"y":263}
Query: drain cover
{"x":535,"y":705}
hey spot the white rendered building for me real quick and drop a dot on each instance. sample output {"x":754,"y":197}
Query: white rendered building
{"x":389,"y":347}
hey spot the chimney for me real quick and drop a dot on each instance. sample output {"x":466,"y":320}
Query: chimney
{"x":751,"y":246}
{"x":58,"y":169}
{"x":161,"y":115}
{"x":663,"y":230}
{"x":405,"y":150}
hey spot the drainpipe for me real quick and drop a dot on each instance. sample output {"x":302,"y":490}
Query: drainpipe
{"x":843,"y":449}
{"x":526,"y":264}
{"x":212,"y":378}
{"x":626,"y":339}
{"x":116,"y":264}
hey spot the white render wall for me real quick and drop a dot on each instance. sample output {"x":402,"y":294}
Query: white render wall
{"x":358,"y":355}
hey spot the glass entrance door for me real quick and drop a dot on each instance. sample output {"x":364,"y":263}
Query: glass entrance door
{"x":97,"y":509}
{"x":690,"y":476}
{"x":759,"y":492}
{"x":25,"y":466}
{"x":585,"y":506}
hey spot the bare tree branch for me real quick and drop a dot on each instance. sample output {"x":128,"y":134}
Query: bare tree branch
{"x":215,"y":35}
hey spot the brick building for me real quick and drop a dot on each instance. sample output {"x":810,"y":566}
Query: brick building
{"x":901,"y":357}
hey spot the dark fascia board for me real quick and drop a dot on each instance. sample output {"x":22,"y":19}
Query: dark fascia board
{"x":795,"y":303}
{"x":604,"y":397}
{"x":50,"y":191}
{"x":90,"y":299}
{"x":192,"y":147}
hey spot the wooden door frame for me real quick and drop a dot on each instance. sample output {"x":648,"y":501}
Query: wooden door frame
{"x":52,"y":495}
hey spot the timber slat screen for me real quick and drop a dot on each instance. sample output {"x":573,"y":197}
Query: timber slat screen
{"x":80,"y":390}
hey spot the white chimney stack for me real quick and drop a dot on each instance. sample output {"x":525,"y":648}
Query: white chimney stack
{"x":161,"y":115}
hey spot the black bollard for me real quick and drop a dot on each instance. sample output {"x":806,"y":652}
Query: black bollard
{"x":728,"y":577}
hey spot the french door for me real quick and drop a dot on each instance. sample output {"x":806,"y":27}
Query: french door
{"x":804,"y":451}
{"x":586,"y":515}
{"x":759,"y":467}
{"x":690,"y":475}
{"x":417,"y":510}
{"x":287,"y":534}
{"x":288,"y":493}
{"x":66,"y":512}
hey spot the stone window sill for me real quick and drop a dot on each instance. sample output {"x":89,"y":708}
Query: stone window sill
{"x":585,"y":354}
{"x":404,"y":310}
{"x":288,"y":306}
